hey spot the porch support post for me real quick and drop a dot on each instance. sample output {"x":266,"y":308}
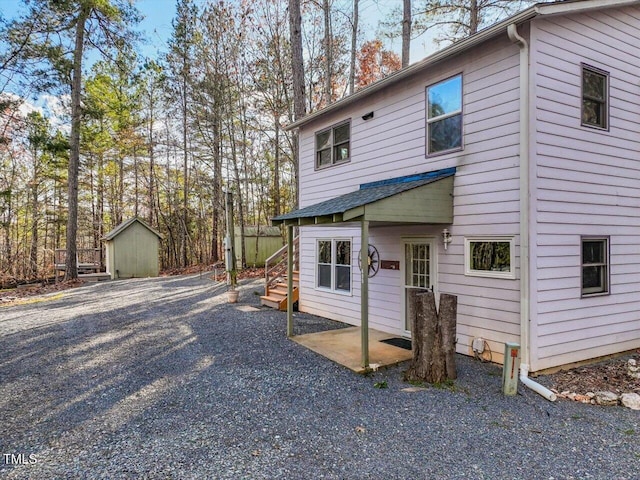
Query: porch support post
{"x":289,"y":280}
{"x":364,"y":292}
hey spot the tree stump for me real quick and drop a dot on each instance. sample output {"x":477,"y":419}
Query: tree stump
{"x":434,"y":337}
{"x":447,"y":317}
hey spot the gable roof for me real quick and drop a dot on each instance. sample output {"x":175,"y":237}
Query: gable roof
{"x":457,"y":48}
{"x":124,"y":225}
{"x":383,"y":201}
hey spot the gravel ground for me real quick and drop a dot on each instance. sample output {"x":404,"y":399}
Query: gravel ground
{"x":160,"y":378}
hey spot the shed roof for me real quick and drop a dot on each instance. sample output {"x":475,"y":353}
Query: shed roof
{"x":420,"y":198}
{"x":124,"y":225}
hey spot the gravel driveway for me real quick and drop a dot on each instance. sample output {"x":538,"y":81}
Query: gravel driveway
{"x":160,"y":378}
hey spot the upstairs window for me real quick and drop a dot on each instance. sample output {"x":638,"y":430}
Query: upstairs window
{"x":444,"y":115}
{"x":595,"y":266}
{"x":333,"y":145}
{"x":595,"y":102}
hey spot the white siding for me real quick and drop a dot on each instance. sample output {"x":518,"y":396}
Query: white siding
{"x":486,"y":202}
{"x":587,"y":182}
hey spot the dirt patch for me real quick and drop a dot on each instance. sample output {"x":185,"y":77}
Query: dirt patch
{"x":16,"y":295}
{"x":247,"y":273}
{"x":12,"y":296}
{"x":607,"y":376}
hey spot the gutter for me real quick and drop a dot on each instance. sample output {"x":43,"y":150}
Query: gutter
{"x":512,"y":32}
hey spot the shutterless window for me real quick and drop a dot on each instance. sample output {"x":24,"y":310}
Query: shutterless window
{"x":595,"y":88}
{"x":324,"y":263}
{"x":334,"y":265}
{"x":595,"y":266}
{"x":444,"y":115}
{"x":333,"y":145}
{"x":343,"y":265}
{"x":490,"y":257}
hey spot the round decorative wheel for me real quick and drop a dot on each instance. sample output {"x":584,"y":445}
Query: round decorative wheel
{"x":373,"y":260}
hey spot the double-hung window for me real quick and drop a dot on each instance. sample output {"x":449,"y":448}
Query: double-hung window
{"x":595,"y":266}
{"x":334,"y":265}
{"x":333,"y":145}
{"x":595,"y":93}
{"x":444,"y":116}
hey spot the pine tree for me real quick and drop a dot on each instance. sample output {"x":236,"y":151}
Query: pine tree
{"x":458,"y":19}
{"x":180,"y":72}
{"x":48,"y":45}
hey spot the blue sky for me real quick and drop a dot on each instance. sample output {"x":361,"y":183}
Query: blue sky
{"x":156,"y":25}
{"x":158,"y":14}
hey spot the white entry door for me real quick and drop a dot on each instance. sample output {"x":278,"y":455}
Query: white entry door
{"x":419,"y":271}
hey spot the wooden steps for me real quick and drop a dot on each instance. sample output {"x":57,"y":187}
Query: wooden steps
{"x":94,"y":277}
{"x":276,"y":295}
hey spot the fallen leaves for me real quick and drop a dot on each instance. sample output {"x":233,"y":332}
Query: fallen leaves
{"x":579,"y":384}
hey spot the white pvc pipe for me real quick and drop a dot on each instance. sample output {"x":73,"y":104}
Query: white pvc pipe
{"x":536,"y":387}
{"x":512,"y":32}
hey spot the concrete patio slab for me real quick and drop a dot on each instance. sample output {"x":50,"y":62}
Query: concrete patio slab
{"x":343,"y":347}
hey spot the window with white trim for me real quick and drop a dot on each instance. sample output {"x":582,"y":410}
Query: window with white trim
{"x":595,"y":265}
{"x":333,"y":145}
{"x":444,"y":115}
{"x":334,"y":265}
{"x":595,"y":101}
{"x":489,"y":257}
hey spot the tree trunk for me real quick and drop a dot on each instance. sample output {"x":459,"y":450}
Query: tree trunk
{"x":33,"y":254}
{"x":354,"y":45}
{"x":474,"y":17}
{"x":71,"y":266}
{"x":100,"y":201}
{"x":151,"y":148}
{"x":328,"y":60}
{"x":185,"y":173}
{"x":447,"y":316}
{"x":297,"y":66}
{"x":276,"y":170}
{"x":136,"y":189}
{"x":236,"y":180}
{"x":433,"y":338}
{"x":406,"y":33}
{"x":120,"y":188}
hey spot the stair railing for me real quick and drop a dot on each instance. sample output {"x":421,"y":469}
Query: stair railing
{"x":275,"y":267}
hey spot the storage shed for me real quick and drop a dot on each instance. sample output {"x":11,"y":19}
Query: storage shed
{"x":259,"y":242}
{"x":132,"y":250}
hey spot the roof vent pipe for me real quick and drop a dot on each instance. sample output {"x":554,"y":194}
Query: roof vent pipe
{"x":512,"y":32}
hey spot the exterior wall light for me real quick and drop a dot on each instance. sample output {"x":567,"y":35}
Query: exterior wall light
{"x":446,"y":238}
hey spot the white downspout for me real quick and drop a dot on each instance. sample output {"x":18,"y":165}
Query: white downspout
{"x":512,"y":32}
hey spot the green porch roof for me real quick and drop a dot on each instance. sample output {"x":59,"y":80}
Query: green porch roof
{"x":412,"y":199}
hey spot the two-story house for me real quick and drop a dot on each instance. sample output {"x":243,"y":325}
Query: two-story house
{"x":504,"y":169}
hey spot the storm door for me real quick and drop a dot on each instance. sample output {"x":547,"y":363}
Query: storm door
{"x":419,"y":272}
